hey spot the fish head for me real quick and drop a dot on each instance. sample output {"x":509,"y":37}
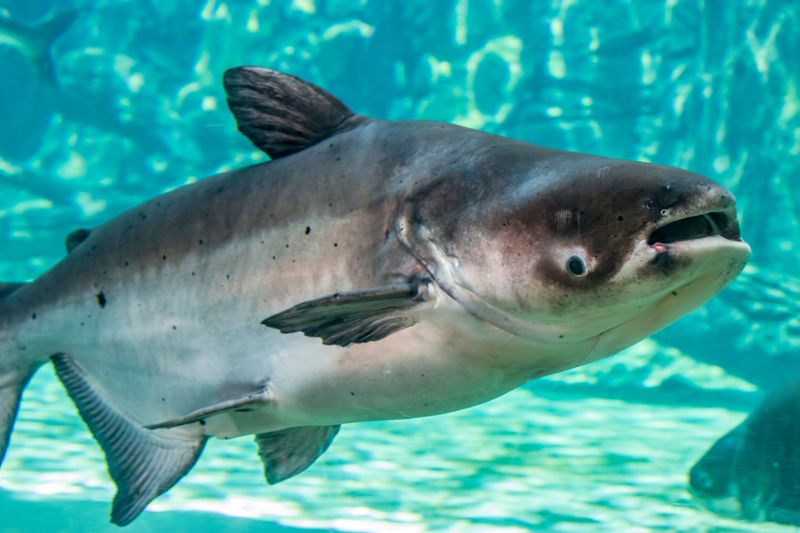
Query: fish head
{"x":572,"y":248}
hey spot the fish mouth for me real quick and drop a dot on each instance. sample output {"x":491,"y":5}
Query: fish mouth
{"x":699,"y":226}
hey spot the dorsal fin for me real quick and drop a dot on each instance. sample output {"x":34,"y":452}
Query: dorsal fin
{"x":282,"y":114}
{"x":75,"y":238}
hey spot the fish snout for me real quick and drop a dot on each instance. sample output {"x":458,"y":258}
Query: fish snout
{"x":691,"y":211}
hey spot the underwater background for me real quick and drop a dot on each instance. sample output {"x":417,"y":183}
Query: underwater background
{"x":134,"y":107}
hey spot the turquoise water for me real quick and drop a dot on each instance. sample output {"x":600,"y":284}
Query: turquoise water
{"x":137,"y":108}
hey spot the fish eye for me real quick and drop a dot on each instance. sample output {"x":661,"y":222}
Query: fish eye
{"x":576,"y":266}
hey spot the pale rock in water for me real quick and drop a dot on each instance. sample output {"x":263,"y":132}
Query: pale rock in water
{"x":373,"y":270}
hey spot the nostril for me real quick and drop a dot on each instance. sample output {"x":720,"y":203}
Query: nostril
{"x":667,"y":196}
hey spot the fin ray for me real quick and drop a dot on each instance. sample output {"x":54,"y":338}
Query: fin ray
{"x":288,"y":452}
{"x":354,"y":317}
{"x":282,"y":114}
{"x":144,"y":464}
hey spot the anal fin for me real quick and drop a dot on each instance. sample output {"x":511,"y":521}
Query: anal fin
{"x":144,"y":464}
{"x":288,"y":452}
{"x":353,"y":317}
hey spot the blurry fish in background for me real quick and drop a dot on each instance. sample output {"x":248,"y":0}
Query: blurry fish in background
{"x":753,"y":472}
{"x":35,"y":41}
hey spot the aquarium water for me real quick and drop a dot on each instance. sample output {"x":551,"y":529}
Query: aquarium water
{"x":126,"y":103}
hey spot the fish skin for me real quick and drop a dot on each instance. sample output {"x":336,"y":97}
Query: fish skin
{"x":162,"y":307}
{"x":217,"y":227}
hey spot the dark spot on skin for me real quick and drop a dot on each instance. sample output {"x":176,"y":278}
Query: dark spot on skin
{"x":200,"y":242}
{"x":227,"y":276}
{"x":338,"y":158}
{"x":666,"y":262}
{"x":163,"y":399}
{"x":352,"y":393}
{"x":81,"y":324}
{"x":219,"y":190}
{"x":202,"y":422}
{"x":192,"y":273}
{"x":561,"y":336}
{"x":174,"y":327}
{"x":330,"y":145}
{"x":273,"y":258}
{"x":101,"y":299}
{"x":33,"y":316}
{"x":308,"y":230}
{"x":287,"y":245}
{"x":674,"y":293}
{"x":335,"y":245}
{"x":620,"y":218}
{"x":126,"y":263}
{"x":142,"y":216}
{"x":163,"y":257}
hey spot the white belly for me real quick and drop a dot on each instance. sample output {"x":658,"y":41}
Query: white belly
{"x":188,"y":336}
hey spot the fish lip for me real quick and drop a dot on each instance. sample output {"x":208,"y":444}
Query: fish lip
{"x":715,"y":219}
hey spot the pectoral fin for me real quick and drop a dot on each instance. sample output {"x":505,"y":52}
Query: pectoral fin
{"x":353,"y":317}
{"x":288,"y":452}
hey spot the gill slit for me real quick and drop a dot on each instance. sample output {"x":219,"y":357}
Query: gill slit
{"x":433,"y":259}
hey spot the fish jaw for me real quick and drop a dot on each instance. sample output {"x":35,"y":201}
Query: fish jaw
{"x":701,"y":279}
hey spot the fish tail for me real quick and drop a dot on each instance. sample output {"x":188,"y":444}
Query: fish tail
{"x":15,"y":369}
{"x":49,"y":32}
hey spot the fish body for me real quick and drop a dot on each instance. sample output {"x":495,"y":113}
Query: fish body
{"x":751,"y":472}
{"x":372,"y":270}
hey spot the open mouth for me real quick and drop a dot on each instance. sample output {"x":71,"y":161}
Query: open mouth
{"x":696,"y":227}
